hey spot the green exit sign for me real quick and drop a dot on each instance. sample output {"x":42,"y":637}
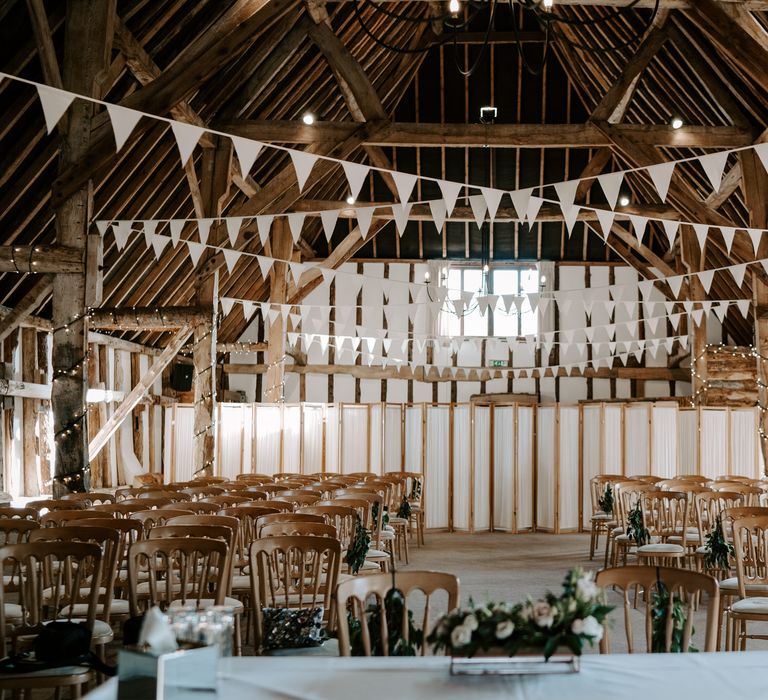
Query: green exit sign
{"x":499,"y":363}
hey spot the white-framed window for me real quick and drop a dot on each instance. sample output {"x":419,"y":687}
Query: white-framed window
{"x":517,"y":280}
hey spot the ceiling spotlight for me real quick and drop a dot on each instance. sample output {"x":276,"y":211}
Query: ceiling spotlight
{"x":454,"y":7}
{"x":676,"y":122}
{"x":624,"y":200}
{"x":543,"y":279}
{"x":350,"y":199}
{"x":308,"y":118}
{"x":426,"y":277}
{"x":485,"y":268}
{"x":547,"y":4}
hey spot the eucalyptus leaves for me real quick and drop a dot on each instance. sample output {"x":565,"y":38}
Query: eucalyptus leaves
{"x":636,"y":529}
{"x":606,"y":500}
{"x":718,"y":549}
{"x":568,"y":620}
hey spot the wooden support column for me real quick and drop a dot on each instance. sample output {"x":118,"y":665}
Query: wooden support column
{"x":89,"y":28}
{"x":693,"y":259}
{"x":282,"y":247}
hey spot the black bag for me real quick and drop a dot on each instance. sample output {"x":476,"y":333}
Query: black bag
{"x":60,"y":643}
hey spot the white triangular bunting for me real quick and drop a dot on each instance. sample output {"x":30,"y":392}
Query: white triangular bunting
{"x":233,"y":228}
{"x":755,"y":235}
{"x":477,"y":202}
{"x":738,"y":272}
{"x":534,"y":206}
{"x":661,"y":175}
{"x":670,"y":228}
{"x":570,"y":215}
{"x":296,"y":223}
{"x":743,"y":306}
{"x":728,"y":233}
{"x":639,"y":225}
{"x":159,"y":243}
{"x":450,"y":192}
{"x":195,"y":251}
{"x":187,"y":136}
{"x":401,"y":213}
{"x":247,"y":151}
{"x":404,"y":183}
{"x":124,"y":121}
{"x":150,"y":227}
{"x":203,"y":229}
{"x":265,"y":265}
{"x":356,"y":175}
{"x":226,"y":304}
{"x":611,"y":184}
{"x":566,"y":192}
{"x":230,"y":258}
{"x":492,"y":200}
{"x":121,"y":230}
{"x":520,"y":200}
{"x":176,"y":226}
{"x":364,"y":218}
{"x":303,"y":163}
{"x":714,"y":165}
{"x":701,"y":231}
{"x":438,"y":211}
{"x":297,"y":270}
{"x":706,"y":277}
{"x":102,"y":227}
{"x":329,"y":218}
{"x":54,"y":103}
{"x":675,"y":283}
{"x":264,"y":224}
{"x":605,"y":218}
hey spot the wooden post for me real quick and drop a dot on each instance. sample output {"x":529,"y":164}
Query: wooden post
{"x":282,"y":248}
{"x":89,"y":28}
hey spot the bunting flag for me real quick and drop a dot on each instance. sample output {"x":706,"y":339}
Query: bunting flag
{"x":195,"y":251}
{"x":534,"y":206}
{"x":492,"y":200}
{"x":247,"y":152}
{"x":102,"y":227}
{"x":249,"y":308}
{"x":158,"y":244}
{"x":639,"y":224}
{"x":570,"y":215}
{"x":149,"y":231}
{"x":233,"y":228}
{"x":264,"y":224}
{"x":404,"y":183}
{"x":701,"y":231}
{"x":520,"y":200}
{"x":303,"y":163}
{"x":661,"y":176}
{"x":611,"y":186}
{"x":450,"y":192}
{"x":675,"y":283}
{"x":401,"y":212}
{"x":566,"y":192}
{"x":121,"y":231}
{"x":670,"y":228}
{"x":265,"y":265}
{"x":297,"y":270}
{"x":364,"y":218}
{"x":176,"y":226}
{"x":477,"y":203}
{"x":605,"y":218}
{"x":755,"y":235}
{"x":230,"y":258}
{"x":738,"y":272}
{"x":706,"y":278}
{"x":728,"y":233}
{"x":355,"y":174}
{"x":295,"y":224}
{"x":329,"y":219}
{"x":226,"y":304}
{"x":437,"y":209}
{"x":714,"y":166}
{"x":123,"y":122}
{"x":203,"y":229}
{"x":187,"y":136}
{"x":54,"y":103}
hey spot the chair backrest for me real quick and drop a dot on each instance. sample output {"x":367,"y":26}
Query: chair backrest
{"x":151,"y":518}
{"x":91,"y":498}
{"x":200,"y":492}
{"x":642,"y":582}
{"x":750,"y":542}
{"x":46,"y":505}
{"x":280,"y":517}
{"x":629,"y":495}
{"x":272,"y":488}
{"x":129,"y":530}
{"x":227,"y":501}
{"x":376,"y":513}
{"x":8,"y":513}
{"x":645,"y":478}
{"x":109,"y":541}
{"x":343,"y":518}
{"x":356,"y":596}
{"x":16,"y":530}
{"x":280,"y":504}
{"x":57,"y":518}
{"x":299,"y":499}
{"x":751,"y":494}
{"x":711,"y":506}
{"x":171,"y":495}
{"x":293,"y":572}
{"x":294,"y":528}
{"x":184,"y":569}
{"x":201,"y":508}
{"x":127,"y":492}
{"x":361,"y":507}
{"x":59,"y":568}
{"x":695,"y":478}
{"x":665,"y":513}
{"x":152,"y":503}
{"x":120,"y":510}
{"x":261,"y":478}
{"x":246,"y":533}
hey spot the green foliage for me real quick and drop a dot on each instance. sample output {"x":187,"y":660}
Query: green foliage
{"x":375,"y":514}
{"x":569,"y":620}
{"x":659,"y":612}
{"x":718,"y":550}
{"x":358,"y":548}
{"x":636,"y":530}
{"x":394,"y":607}
{"x":416,"y":490}
{"x":404,"y":511}
{"x":606,"y":500}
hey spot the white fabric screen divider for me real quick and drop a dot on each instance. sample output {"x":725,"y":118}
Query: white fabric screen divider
{"x":507,"y":467}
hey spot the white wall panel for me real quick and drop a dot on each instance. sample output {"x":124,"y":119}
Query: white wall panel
{"x":354,"y":439}
{"x":636,"y":439}
{"x":393,"y":438}
{"x":503,"y":467}
{"x":482,"y":468}
{"x":688,"y":441}
{"x":291,"y":438}
{"x":313,"y":439}
{"x":525,"y":466}
{"x":664,"y":460}
{"x":546,"y":440}
{"x":714,"y":442}
{"x":591,"y":453}
{"x":744,"y":443}
{"x":461,"y":463}
{"x":569,"y":485}
{"x":267,"y":439}
{"x":414,"y":440}
{"x":438,"y":458}
{"x":613,"y":455}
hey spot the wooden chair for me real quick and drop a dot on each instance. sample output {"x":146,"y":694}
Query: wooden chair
{"x":635,"y":582}
{"x":363,"y":503}
{"x":343,"y":518}
{"x":152,"y":503}
{"x":274,"y":563}
{"x":665,"y":516}
{"x":201,"y":508}
{"x":280,"y":517}
{"x":46,"y":505}
{"x":272,"y":489}
{"x":298,"y":529}
{"x":750,"y":542}
{"x":91,"y":498}
{"x":176,"y":571}
{"x":708,"y":507}
{"x":300,"y":499}
{"x":253,"y":478}
{"x":694,"y":478}
{"x":173,"y":496}
{"x":600,"y":521}
{"x":58,"y":518}
{"x":16,"y":530}
{"x":280,"y":504}
{"x":8,"y":513}
{"x":62,"y":567}
{"x":355,"y":595}
{"x":119,"y":510}
{"x":227,"y":501}
{"x":198,"y":493}
{"x":151,"y":518}
{"x":645,"y":478}
{"x":751,"y":494}
{"x":627,"y":495}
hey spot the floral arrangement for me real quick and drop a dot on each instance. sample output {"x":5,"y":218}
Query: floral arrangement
{"x":636,"y":529}
{"x":569,"y":620}
{"x":358,"y":548}
{"x":606,"y":500}
{"x":398,"y":645}
{"x":718,"y":549}
{"x":661,"y":609}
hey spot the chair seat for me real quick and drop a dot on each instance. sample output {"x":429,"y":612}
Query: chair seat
{"x":396,"y":520}
{"x":731,"y":586}
{"x":602,"y":517}
{"x":205,"y":603}
{"x":241,"y":582}
{"x":661,"y":548}
{"x":330,"y":647}
{"x":62,"y":676}
{"x":120,"y":606}
{"x":617,"y":531}
{"x":377,"y":554}
{"x":13,"y":612}
{"x":753,"y":605}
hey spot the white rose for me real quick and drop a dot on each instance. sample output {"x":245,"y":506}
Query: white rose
{"x":586,"y":589}
{"x":461,"y":636}
{"x":543,"y":614}
{"x":504,"y":629}
{"x":589,"y":627}
{"x":470,"y":622}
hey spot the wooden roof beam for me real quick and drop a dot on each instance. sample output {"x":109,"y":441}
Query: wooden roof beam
{"x":40,"y":258}
{"x":160,"y":318}
{"x":23,"y":310}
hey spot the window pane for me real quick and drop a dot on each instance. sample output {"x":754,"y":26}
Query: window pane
{"x":505,"y":281}
{"x":474,"y":323}
{"x":473,"y":280}
{"x":529,"y":280}
{"x":503,"y":324}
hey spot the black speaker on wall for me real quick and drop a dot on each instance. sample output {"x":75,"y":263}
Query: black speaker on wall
{"x":181,"y":377}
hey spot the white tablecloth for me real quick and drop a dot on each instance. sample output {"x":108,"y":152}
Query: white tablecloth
{"x":726,"y":676}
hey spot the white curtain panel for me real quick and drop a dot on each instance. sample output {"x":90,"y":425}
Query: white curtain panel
{"x":745,"y":443}
{"x":392,"y":438}
{"x":688,"y":440}
{"x":613,"y":455}
{"x":230,"y":440}
{"x":525,"y":471}
{"x":332,"y":463}
{"x":354,"y":440}
{"x":461,"y":461}
{"x":482,"y":468}
{"x":546,"y":468}
{"x":414,"y":440}
{"x":313,"y":439}
{"x":636,"y":439}
{"x":292,"y":438}
{"x":664,"y":440}
{"x":184,"y":461}
{"x":504,"y":468}
{"x":374,"y":438}
{"x":592,"y":415}
{"x":713,"y":434}
{"x":569,"y":486}
{"x":267,"y":439}
{"x":437,"y":491}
